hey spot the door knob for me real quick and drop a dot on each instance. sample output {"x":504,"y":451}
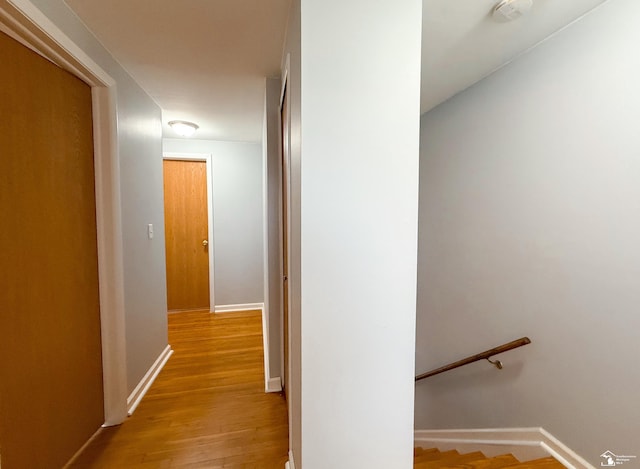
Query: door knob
{"x":205,"y":243}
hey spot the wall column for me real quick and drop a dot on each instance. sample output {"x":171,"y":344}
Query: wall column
{"x":360,"y":99}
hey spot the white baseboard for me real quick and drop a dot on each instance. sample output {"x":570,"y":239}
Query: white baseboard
{"x":562,"y":452}
{"x":290,"y":464}
{"x":270,"y":384}
{"x":524,"y":443}
{"x":265,"y":349}
{"x":147,"y":380}
{"x":274,"y":385}
{"x":239,"y":307}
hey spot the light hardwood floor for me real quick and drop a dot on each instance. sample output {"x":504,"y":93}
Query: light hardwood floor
{"x":207,"y":408}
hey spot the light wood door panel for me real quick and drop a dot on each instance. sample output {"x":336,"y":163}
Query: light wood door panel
{"x":186,"y":227}
{"x":51,"y":397}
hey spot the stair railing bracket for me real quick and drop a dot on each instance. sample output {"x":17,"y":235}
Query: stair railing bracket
{"x":496,"y":363}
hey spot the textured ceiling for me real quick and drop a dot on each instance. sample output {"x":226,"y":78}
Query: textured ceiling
{"x":201,"y":60}
{"x":462,"y":43}
{"x":205,"y":60}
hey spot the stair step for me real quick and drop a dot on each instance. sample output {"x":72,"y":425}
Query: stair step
{"x":432,"y":458}
{"x":450,"y":460}
{"x":418,"y":451}
{"x":496,"y":462}
{"x":545,"y":463}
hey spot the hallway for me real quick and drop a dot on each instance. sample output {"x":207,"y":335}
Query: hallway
{"x":207,"y":408}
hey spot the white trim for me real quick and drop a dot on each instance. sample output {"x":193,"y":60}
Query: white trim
{"x":290,"y":464}
{"x":524,"y":443}
{"x":274,"y":384}
{"x":265,"y":241}
{"x":265,"y":346}
{"x":208,"y":159}
{"x":147,"y":380}
{"x":110,"y":255}
{"x":41,"y":35}
{"x":239,"y":307}
{"x":17,"y":37}
{"x":285,"y":150}
{"x":284,"y":77}
{"x":25,"y":19}
{"x":562,"y":452}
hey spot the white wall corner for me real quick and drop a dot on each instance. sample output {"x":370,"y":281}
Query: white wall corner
{"x":147,"y":380}
{"x":239,"y":307}
{"x":524,"y":443}
{"x":562,"y":452}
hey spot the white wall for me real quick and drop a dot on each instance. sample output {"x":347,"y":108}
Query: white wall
{"x":359,"y":208}
{"x":529,"y":225}
{"x":237,"y":217}
{"x":140,"y":153}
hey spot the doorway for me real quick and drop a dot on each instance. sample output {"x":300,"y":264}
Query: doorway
{"x":284,"y":123}
{"x":188,"y":234}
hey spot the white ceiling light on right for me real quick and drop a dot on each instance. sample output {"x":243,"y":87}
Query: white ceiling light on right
{"x":509,"y":10}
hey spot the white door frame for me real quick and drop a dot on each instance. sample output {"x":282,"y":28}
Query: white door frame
{"x":285,"y":88}
{"x":27,"y":24}
{"x":208,"y":159}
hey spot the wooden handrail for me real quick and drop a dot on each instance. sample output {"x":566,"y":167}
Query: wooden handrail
{"x":480,"y":356}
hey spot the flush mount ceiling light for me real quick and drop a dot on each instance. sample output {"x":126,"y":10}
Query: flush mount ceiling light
{"x":509,"y":10}
{"x":184,"y":128}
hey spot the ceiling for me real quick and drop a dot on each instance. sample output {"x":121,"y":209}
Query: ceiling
{"x":201,"y":60}
{"x":205,"y":60}
{"x":462,"y":43}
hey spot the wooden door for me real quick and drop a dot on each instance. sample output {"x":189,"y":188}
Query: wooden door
{"x":186,"y":232}
{"x":285,"y":236}
{"x":51,"y":395}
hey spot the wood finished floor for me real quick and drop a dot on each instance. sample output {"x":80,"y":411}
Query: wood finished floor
{"x":207,"y":408}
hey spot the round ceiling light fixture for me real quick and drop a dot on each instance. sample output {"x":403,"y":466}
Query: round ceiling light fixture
{"x":509,"y":10}
{"x":184,"y":128}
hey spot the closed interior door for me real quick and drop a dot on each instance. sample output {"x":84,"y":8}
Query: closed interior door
{"x":186,"y":232}
{"x":51,"y":395}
